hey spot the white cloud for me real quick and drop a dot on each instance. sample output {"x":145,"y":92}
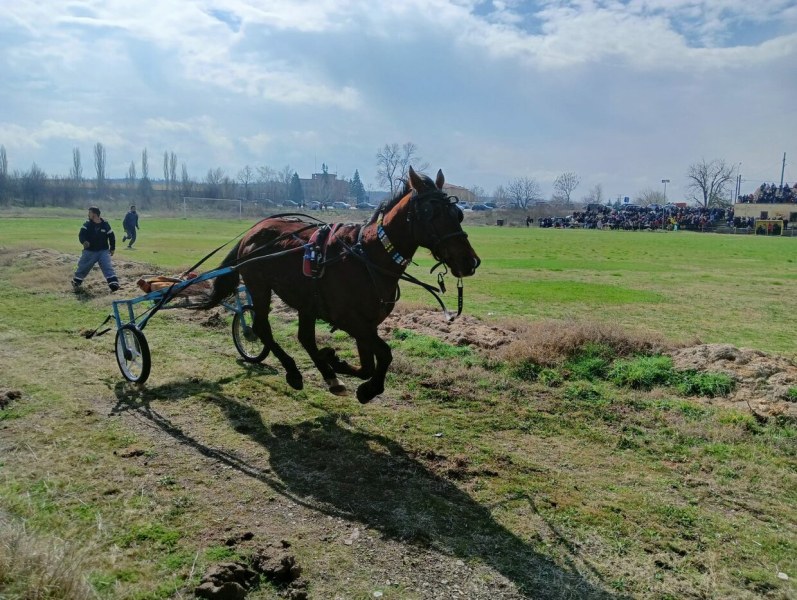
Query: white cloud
{"x":618,"y":90}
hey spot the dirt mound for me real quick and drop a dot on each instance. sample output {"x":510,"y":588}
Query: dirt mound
{"x":462,"y":331}
{"x":762,"y":380}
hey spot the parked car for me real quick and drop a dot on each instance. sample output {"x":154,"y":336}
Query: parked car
{"x":480,"y":207}
{"x":314,"y":205}
{"x":290,"y":204}
{"x":340,"y":206}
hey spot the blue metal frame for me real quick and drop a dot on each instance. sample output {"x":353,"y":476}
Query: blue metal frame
{"x":120,"y":307}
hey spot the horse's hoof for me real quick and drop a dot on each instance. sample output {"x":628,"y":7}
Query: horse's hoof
{"x":335,"y":386}
{"x":365,"y":394}
{"x":295,"y":380}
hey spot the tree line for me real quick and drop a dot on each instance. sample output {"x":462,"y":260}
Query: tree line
{"x":708,"y":183}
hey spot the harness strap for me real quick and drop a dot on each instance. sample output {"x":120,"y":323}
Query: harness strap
{"x":96,"y":332}
{"x":359,"y":252}
{"x":388,"y":245}
{"x":277,"y":216}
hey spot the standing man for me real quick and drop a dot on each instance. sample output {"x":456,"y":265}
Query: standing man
{"x":130,"y":225}
{"x":99,"y":243}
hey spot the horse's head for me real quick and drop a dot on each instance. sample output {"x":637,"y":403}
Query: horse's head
{"x":436,"y":223}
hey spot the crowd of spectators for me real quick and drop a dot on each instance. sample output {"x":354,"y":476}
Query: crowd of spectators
{"x":631,"y":217}
{"x":771,"y":194}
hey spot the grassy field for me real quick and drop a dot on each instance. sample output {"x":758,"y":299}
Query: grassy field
{"x":740,"y":290}
{"x":604,"y":475}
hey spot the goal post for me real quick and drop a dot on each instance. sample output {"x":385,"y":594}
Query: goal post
{"x":212,"y":207}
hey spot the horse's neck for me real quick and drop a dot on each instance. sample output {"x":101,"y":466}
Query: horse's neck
{"x":389,"y":240}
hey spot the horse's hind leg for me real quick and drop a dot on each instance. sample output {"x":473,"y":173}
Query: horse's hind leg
{"x":307,"y":339}
{"x":262,"y":327}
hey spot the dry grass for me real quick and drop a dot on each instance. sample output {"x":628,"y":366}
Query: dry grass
{"x":549,"y":343}
{"x":36,"y":568}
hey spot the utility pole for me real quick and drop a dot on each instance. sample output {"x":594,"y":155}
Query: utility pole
{"x":782,"y":169}
{"x":738,"y":182}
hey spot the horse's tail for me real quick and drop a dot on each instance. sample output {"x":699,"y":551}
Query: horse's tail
{"x":223,"y":286}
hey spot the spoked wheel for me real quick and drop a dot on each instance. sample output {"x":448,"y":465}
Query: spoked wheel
{"x":132,"y":353}
{"x":249,"y":346}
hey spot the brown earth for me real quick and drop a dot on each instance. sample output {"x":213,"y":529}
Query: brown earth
{"x":762,"y":379}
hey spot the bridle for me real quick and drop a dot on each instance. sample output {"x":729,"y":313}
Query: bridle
{"x":421,"y":218}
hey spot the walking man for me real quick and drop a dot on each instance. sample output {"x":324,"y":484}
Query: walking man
{"x":99,"y":244}
{"x":130,"y":225}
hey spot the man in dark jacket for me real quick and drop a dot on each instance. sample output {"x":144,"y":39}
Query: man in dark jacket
{"x":99,"y":244}
{"x":130,"y":225}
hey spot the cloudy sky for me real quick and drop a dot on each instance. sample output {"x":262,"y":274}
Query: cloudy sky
{"x":624,"y":93}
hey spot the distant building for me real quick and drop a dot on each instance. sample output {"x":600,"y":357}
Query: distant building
{"x":783,"y":211}
{"x":464,"y":194}
{"x":326,"y":188}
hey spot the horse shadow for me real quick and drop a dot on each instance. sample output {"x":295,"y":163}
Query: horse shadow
{"x":331,"y":467}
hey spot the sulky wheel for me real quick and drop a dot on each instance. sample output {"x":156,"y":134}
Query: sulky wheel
{"x":132,"y":353}
{"x":249,"y":346}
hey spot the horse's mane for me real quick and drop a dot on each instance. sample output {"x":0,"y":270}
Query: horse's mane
{"x":386,"y":205}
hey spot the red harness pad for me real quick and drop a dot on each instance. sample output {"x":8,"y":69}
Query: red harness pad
{"x":315,"y":250}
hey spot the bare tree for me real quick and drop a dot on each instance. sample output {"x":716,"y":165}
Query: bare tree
{"x":500,"y":195}
{"x":131,"y":175}
{"x":523,"y":191}
{"x":649,"y":196}
{"x":285,"y":175}
{"x":166,"y":167}
{"x":245,"y":177}
{"x":144,"y":184}
{"x":186,"y":185}
{"x":387,"y":160}
{"x":595,"y":195}
{"x":393,"y":162}
{"x":76,"y":172}
{"x":564,"y":186}
{"x":268,"y":182}
{"x":214,"y":183}
{"x":4,"y":181}
{"x":33,"y":185}
{"x":99,"y":164}
{"x":708,"y":182}
{"x":265,"y":174}
{"x":173,"y":170}
{"x":478,"y":192}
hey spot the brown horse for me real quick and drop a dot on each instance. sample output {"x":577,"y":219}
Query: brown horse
{"x":353,"y":286}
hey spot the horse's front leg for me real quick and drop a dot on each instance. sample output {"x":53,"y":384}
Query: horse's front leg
{"x":308,"y":341}
{"x":370,"y":348}
{"x":366,"y":353}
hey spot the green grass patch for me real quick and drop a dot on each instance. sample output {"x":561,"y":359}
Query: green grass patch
{"x":643,"y":372}
{"x":424,"y":346}
{"x":711,"y":385}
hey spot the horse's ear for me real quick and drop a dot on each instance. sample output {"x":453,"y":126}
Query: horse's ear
{"x":440,"y":179}
{"x":415,"y":181}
